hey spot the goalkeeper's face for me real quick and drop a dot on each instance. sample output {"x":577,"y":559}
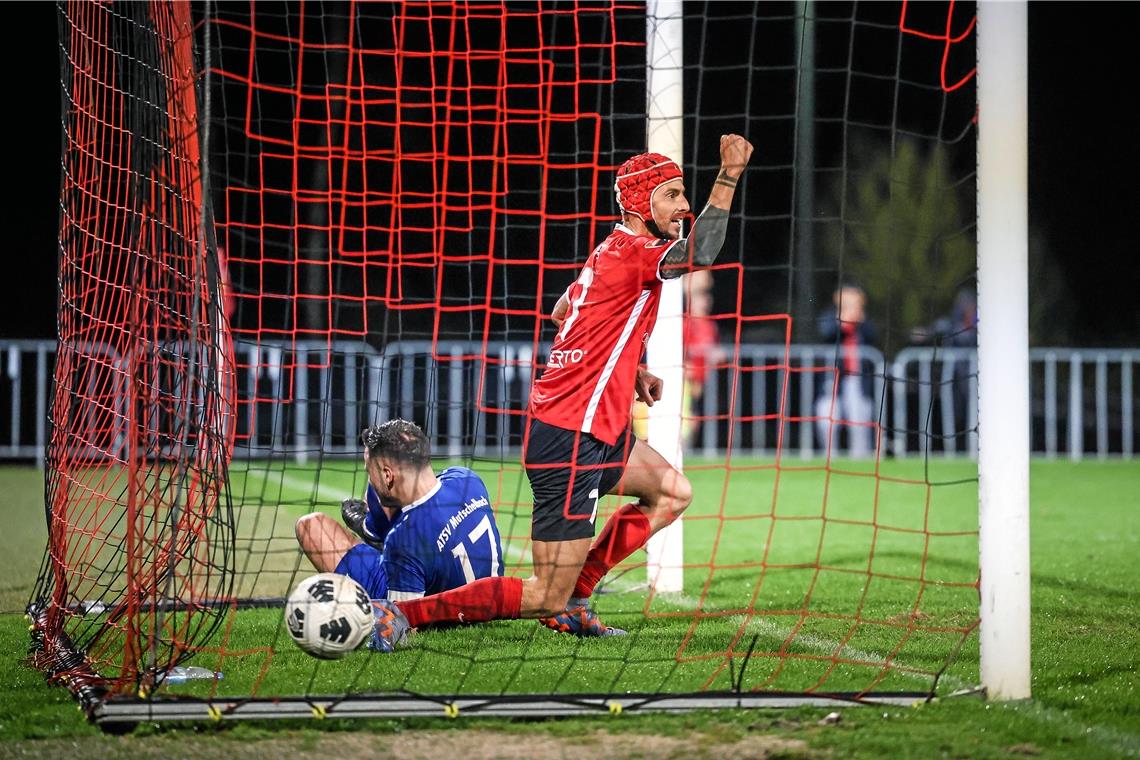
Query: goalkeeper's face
{"x":670,"y":207}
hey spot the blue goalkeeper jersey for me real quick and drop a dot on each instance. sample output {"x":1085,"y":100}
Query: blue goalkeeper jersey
{"x":444,"y":540}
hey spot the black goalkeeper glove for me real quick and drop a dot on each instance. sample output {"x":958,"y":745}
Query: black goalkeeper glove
{"x":353,"y":512}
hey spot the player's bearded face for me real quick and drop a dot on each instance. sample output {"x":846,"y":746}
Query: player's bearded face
{"x":670,"y":207}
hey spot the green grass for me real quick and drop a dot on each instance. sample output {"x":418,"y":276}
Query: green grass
{"x":799,"y":543}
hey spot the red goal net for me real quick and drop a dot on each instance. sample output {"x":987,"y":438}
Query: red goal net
{"x":400,"y":193}
{"x":139,"y":523}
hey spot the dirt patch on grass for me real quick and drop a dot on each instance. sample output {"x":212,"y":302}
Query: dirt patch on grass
{"x":472,"y":744}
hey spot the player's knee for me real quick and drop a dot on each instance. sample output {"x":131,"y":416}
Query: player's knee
{"x":680,"y":495}
{"x":306,"y":525}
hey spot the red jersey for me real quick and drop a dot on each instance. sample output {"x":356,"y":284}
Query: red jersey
{"x":588,"y":383}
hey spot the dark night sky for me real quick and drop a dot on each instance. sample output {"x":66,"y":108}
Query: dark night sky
{"x":1084,"y":157}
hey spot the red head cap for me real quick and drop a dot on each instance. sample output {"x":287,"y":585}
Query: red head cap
{"x":637,"y":180}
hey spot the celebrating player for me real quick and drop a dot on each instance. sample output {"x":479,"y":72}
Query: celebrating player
{"x":422,"y":533}
{"x":578,"y":446}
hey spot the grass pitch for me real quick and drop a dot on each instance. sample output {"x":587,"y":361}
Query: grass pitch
{"x":888,"y":561}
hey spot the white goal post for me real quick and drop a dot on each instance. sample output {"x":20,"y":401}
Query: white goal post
{"x":1003,"y":348}
{"x":665,"y":131}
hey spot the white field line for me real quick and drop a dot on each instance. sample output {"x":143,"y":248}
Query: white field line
{"x":326,"y":495}
{"x":1109,"y":738}
{"x":822,"y":645}
{"x":1123,"y":743}
{"x":761,"y":624}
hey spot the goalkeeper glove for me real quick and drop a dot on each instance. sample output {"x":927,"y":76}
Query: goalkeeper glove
{"x":353,"y":512}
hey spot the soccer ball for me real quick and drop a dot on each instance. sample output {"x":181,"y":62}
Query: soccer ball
{"x":328,"y":615}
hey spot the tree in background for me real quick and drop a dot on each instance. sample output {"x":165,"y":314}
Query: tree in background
{"x":1052,"y":308}
{"x":909,"y":234}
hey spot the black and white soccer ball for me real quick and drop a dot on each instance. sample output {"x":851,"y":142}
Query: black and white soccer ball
{"x":328,"y":615}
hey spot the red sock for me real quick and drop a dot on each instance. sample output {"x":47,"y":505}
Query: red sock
{"x":496,"y":598}
{"x":624,"y":533}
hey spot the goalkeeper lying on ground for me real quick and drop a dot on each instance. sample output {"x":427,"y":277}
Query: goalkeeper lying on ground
{"x":421,"y":533}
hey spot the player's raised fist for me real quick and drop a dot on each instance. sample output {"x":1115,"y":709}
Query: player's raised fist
{"x":735,"y":152}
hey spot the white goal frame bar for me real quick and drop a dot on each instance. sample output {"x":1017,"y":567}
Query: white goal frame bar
{"x":664,"y":72}
{"x":118,"y":715}
{"x":1003,"y":348}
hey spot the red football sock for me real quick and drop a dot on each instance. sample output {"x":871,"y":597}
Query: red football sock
{"x":496,"y":598}
{"x":624,"y":533}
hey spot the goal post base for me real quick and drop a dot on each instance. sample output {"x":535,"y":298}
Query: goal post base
{"x":116,"y":712}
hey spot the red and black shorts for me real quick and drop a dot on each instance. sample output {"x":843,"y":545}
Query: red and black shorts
{"x":569,"y":471}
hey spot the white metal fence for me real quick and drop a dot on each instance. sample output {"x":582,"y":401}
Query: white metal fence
{"x":306,"y":399}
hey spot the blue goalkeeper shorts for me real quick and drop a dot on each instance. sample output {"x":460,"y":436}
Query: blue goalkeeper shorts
{"x":362,"y":564}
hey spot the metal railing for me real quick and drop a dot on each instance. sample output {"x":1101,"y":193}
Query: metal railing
{"x":307,"y":398}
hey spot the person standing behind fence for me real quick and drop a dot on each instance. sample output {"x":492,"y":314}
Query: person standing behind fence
{"x":847,"y":326}
{"x":701,"y":340}
{"x":957,"y":330}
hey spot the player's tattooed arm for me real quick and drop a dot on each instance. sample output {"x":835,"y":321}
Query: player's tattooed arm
{"x":703,"y":244}
{"x":700,"y":248}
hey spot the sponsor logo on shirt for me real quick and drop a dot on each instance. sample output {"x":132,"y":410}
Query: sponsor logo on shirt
{"x":562,"y":357}
{"x":455,"y":519}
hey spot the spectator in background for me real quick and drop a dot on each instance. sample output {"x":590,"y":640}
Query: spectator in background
{"x":702,"y":346}
{"x":847,"y":326}
{"x":701,"y":350}
{"x":957,"y":330}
